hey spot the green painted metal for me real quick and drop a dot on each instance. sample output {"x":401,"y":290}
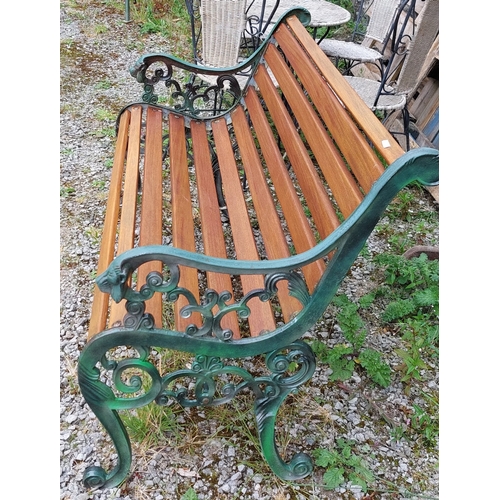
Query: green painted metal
{"x":196,"y":98}
{"x":210,"y":343}
{"x":106,"y":383}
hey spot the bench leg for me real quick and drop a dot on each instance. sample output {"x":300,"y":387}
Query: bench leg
{"x":99,"y":397}
{"x":270,"y":392}
{"x":266,"y":409}
{"x":105,"y":404}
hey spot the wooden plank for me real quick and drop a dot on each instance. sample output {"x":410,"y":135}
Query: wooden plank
{"x":359,"y":154}
{"x":341,"y":182}
{"x":108,"y":239}
{"x":261,"y":318}
{"x":129,"y":204}
{"x":213,"y":236}
{"x":269,"y":223}
{"x":152,"y":203}
{"x":317,"y":198}
{"x":182,"y":216}
{"x":298,"y":226}
{"x":363,"y":116}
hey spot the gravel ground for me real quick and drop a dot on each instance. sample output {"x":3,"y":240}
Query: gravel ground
{"x":97,"y":49}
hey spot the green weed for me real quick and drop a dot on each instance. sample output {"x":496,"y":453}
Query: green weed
{"x":104,"y":132}
{"x":103,"y":85}
{"x":150,"y":424}
{"x":104,"y":114}
{"x":99,"y":184}
{"x":343,"y":358}
{"x":100,"y":28}
{"x":66,"y":191}
{"x":190,"y":494}
{"x":342,"y":465}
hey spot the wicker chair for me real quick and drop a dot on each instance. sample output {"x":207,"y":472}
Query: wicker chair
{"x":224,"y":33}
{"x":223,"y":22}
{"x":406,"y":61}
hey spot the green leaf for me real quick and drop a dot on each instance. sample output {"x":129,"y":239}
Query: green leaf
{"x":355,"y":479}
{"x":427,"y":297}
{"x":378,"y":370}
{"x":325,"y":458}
{"x":366,"y":300}
{"x":398,"y":309}
{"x":190,"y":495}
{"x":342,"y":369}
{"x":333,"y":477}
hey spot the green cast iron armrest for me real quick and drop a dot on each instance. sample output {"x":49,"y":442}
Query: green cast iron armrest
{"x":190,"y":87}
{"x":137,"y":70}
{"x":416,"y":165}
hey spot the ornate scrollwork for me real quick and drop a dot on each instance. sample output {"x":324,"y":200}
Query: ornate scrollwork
{"x":207,"y":370}
{"x":213,"y":306}
{"x":195,"y":97}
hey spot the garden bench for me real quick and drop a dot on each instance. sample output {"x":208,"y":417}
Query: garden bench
{"x":233,"y":216}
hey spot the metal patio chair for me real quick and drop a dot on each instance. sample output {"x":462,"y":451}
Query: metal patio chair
{"x":403,"y":72}
{"x":348,"y":54}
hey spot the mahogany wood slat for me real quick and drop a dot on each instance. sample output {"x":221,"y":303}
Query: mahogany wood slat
{"x":298,"y":225}
{"x":213,"y":237}
{"x":316,"y":196}
{"x":152,"y":203}
{"x":261,"y":319}
{"x":363,"y":116}
{"x":182,"y":215}
{"x":362,"y":158}
{"x":269,"y":222}
{"x":108,"y":239}
{"x":338,"y":177}
{"x":129,"y":203}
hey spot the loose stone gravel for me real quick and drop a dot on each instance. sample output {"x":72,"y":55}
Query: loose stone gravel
{"x":216,"y":464}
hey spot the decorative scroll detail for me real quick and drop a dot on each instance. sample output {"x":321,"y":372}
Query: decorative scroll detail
{"x":213,"y":306}
{"x":212,"y":388}
{"x":205,"y":371}
{"x":195,"y":98}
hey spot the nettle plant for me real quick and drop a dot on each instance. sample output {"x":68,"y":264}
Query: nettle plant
{"x":343,"y":358}
{"x":409,"y":298}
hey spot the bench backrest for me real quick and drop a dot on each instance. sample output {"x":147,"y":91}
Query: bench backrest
{"x":294,"y":162}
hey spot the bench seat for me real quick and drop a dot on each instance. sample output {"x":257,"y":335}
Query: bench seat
{"x":229,"y":229}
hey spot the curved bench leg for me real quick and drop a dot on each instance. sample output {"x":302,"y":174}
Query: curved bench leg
{"x":95,"y":476}
{"x":100,"y":399}
{"x":301,"y":464}
{"x":266,"y":409}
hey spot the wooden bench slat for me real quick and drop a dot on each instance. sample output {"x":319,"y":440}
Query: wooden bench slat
{"x":108,"y":239}
{"x":151,"y":207}
{"x":300,"y":230}
{"x":362,"y":159}
{"x":262,"y":318}
{"x":213,"y":237}
{"x":318,"y":201}
{"x":182,"y":215}
{"x":129,"y":203}
{"x":341,"y":182}
{"x":269,"y":222}
{"x":372,"y":127}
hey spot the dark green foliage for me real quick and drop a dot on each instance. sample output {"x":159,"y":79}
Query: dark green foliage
{"x":378,"y":371}
{"x":342,"y":358}
{"x":343,"y":465}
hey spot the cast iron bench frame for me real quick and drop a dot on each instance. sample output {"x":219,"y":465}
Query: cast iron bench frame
{"x":318,"y":145}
